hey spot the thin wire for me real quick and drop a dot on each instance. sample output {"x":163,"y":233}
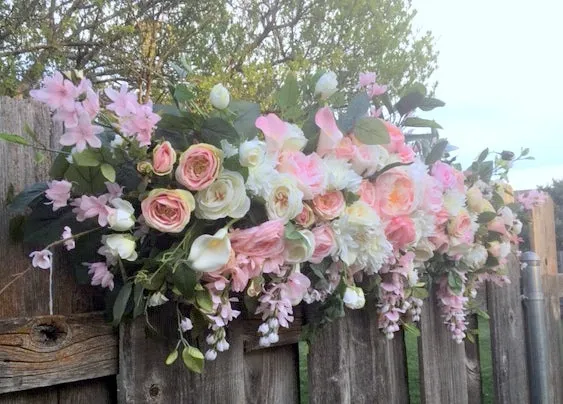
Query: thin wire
{"x":51,"y":289}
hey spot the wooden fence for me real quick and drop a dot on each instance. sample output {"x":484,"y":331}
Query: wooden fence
{"x":76,"y":357}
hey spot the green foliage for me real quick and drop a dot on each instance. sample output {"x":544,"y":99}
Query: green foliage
{"x":372,"y":131}
{"x":193,"y":359}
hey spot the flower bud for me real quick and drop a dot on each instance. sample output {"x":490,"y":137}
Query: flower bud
{"x":326,"y":85}
{"x":219,"y":96}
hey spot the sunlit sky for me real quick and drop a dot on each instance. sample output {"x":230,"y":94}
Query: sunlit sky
{"x":500,"y":68}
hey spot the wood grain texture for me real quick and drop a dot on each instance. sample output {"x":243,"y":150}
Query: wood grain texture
{"x":542,"y":240}
{"x":442,"y":360}
{"x":508,"y":338}
{"x":29,"y":296}
{"x":473,"y":365}
{"x":351,"y":361}
{"x":48,"y":350}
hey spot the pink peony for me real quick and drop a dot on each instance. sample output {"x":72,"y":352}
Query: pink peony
{"x":330,"y":135}
{"x":308,"y":171}
{"x":199,"y":166}
{"x":58,"y":193}
{"x":325,"y":243}
{"x":168,"y":210}
{"x":101,"y":275}
{"x":497,"y":225}
{"x":394,"y":194}
{"x":406,"y":154}
{"x":400,"y":231}
{"x":41,"y":259}
{"x":163,"y":158}
{"x":433,"y":197}
{"x":441,"y":242}
{"x":329,"y":205}
{"x":367,"y":193}
{"x":366,"y":79}
{"x":445,"y":174}
{"x":84,"y":133}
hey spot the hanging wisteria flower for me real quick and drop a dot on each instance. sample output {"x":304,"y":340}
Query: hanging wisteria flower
{"x":101,"y":275}
{"x":69,"y":242}
{"x":186,"y":324}
{"x":42,"y":259}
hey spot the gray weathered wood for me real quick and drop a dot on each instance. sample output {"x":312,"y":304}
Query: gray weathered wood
{"x":473,"y":366}
{"x":351,"y":361}
{"x":442,"y":360}
{"x":508,"y":339}
{"x":29,"y":296}
{"x":48,"y":350}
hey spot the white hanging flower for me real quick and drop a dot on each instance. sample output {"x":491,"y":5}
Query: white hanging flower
{"x":186,"y":324}
{"x":354,"y":297}
{"x":118,"y":245}
{"x":326,"y":85}
{"x":121,"y":218}
{"x":210,"y":252}
{"x":157,"y":299}
{"x":41,"y":259}
{"x":219,"y":96}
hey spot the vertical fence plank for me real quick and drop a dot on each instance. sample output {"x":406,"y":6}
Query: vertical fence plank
{"x":442,"y":360}
{"x":508,"y":343}
{"x":29,"y":296}
{"x":542,"y":240}
{"x":351,"y":361}
{"x":473,"y":365}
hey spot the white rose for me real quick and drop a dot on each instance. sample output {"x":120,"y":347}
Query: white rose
{"x":354,"y":297}
{"x":210,"y":252}
{"x":326,"y":85}
{"x":157,"y":299}
{"x":122,"y":217}
{"x":517,"y":227}
{"x":118,"y":245}
{"x":369,"y":158}
{"x":507,"y":215}
{"x":252,"y":152}
{"x":285,"y":200}
{"x":300,"y":248}
{"x":225,"y":197}
{"x":219,"y":96}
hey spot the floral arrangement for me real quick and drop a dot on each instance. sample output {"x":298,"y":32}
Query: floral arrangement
{"x":217,"y":210}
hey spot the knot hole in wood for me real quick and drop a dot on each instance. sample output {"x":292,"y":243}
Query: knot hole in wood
{"x":49,"y":333}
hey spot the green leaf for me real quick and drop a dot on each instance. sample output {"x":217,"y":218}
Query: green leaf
{"x":204,"y":301}
{"x":246,"y":115}
{"x":409,"y":102}
{"x":183,"y":95}
{"x":482,"y":313}
{"x":288,"y":94}
{"x":138,"y":300}
{"x":358,"y":108}
{"x":483,"y":155}
{"x":371,"y":131}
{"x":121,"y":302}
{"x":11,"y":138}
{"x":411,"y":329}
{"x":415,"y":122}
{"x":437,"y":152}
{"x":486,"y":171}
{"x":497,"y":201}
{"x":492,"y":261}
{"x":216,"y":129}
{"x":420,"y":293}
{"x":429,"y":103}
{"x":108,"y":172}
{"x":351,"y":197}
{"x":193,"y":359}
{"x":28,"y":195}
{"x":15,"y":228}
{"x":60,"y":165}
{"x":525,"y":152}
{"x":185,"y":279}
{"x":171,"y":358}
{"x":455,"y":282}
{"x":87,"y":158}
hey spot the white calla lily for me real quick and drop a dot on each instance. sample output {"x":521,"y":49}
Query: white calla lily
{"x":210,"y":252}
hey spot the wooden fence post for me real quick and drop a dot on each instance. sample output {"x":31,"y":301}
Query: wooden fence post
{"x":542,"y":240}
{"x":351,"y":361}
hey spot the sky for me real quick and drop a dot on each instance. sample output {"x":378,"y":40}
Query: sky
{"x":499,"y":72}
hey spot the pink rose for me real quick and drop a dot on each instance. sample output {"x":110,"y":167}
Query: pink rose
{"x":442,"y":216}
{"x":441,"y":241}
{"x":330,"y":135}
{"x":325,"y":243}
{"x":265,"y":240}
{"x":447,"y":176}
{"x":397,"y":139}
{"x":330,"y":205}
{"x":433,"y":198}
{"x":346,"y":149}
{"x":400,"y":231}
{"x":199,"y":166}
{"x":168,"y":210}
{"x":306,"y":218}
{"x":367,"y":193}
{"x":497,"y":225}
{"x":163,"y":158}
{"x":406,"y":154}
{"x":395,"y":193}
{"x":308,"y":171}
{"x":459,"y":225}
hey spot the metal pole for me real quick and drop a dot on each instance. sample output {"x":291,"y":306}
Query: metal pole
{"x":536,"y":328}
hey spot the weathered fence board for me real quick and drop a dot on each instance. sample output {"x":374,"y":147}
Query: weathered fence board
{"x":48,"y":350}
{"x":351,"y":361}
{"x":473,"y":365}
{"x":542,"y":240}
{"x":442,"y":360}
{"x":29,"y":296}
{"x":508,"y":338}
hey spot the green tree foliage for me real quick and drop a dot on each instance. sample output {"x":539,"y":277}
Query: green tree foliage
{"x":248,"y":44}
{"x":555,"y":190}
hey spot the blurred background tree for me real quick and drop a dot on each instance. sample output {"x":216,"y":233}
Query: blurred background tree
{"x":248,"y":45}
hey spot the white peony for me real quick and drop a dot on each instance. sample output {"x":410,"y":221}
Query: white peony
{"x":225,"y":197}
{"x":210,"y":252}
{"x":476,"y":257}
{"x":261,"y":178}
{"x":219,"y":96}
{"x":252,"y":153}
{"x":326,"y":85}
{"x":454,"y":202}
{"x":122,"y":217}
{"x":300,"y":248}
{"x":118,"y":246}
{"x":354,"y":297}
{"x":285,"y":199}
{"x":341,"y":175}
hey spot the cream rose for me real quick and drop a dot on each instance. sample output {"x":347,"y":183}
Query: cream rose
{"x":225,"y":197}
{"x":252,"y":153}
{"x":300,"y":248}
{"x":168,"y":210}
{"x":199,"y":166}
{"x":285,"y":200}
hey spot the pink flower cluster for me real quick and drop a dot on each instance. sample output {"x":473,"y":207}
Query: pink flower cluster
{"x":530,"y":199}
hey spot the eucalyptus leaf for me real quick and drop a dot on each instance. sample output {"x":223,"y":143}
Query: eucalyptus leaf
{"x":216,"y":129}
{"x":409,"y":102}
{"x":28,"y":195}
{"x":415,"y":122}
{"x":357,"y":108}
{"x":108,"y":172}
{"x":429,"y":103}
{"x":246,"y":115}
{"x":193,"y":359}
{"x":371,"y":131}
{"x":121,"y":302}
{"x":437,"y":152}
{"x":11,"y":138}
